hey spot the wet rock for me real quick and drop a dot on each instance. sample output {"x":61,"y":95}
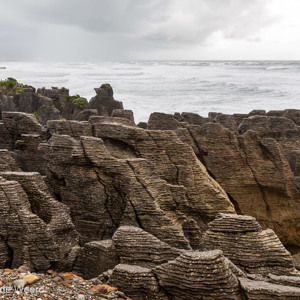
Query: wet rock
{"x":175,"y":162}
{"x":118,"y":190}
{"x":27,"y":155}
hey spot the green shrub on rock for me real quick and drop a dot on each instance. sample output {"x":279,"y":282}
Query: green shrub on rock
{"x":77,"y":101}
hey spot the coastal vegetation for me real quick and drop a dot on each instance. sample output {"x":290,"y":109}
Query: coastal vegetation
{"x":11,"y":85}
{"x":77,"y":101}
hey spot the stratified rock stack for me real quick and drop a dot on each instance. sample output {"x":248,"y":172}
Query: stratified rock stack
{"x":54,"y":214}
{"x":137,"y":282}
{"x":198,"y":275}
{"x":154,"y":202}
{"x":246,"y":245}
{"x":24,"y":237}
{"x":136,"y":246}
{"x":96,"y":257}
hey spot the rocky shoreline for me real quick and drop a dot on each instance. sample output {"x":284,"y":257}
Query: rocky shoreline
{"x":180,"y":207}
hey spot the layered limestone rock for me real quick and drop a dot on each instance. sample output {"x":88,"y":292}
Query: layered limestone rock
{"x":53,"y":216}
{"x":248,"y":246}
{"x":198,"y":275}
{"x":176,"y":163}
{"x":123,"y":113}
{"x":137,"y":282}
{"x":24,"y":237}
{"x":254,"y":172}
{"x":103,"y":192}
{"x":284,"y":280}
{"x":75,"y":129}
{"x":7,"y":162}
{"x":137,"y":247}
{"x":162,"y":170}
{"x":256,"y":290}
{"x":18,"y":123}
{"x":97,"y":257}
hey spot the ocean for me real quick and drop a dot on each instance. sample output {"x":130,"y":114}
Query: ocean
{"x":173,"y":86}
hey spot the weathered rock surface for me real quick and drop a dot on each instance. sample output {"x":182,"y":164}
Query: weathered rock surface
{"x":104,"y":102}
{"x":112,"y":189}
{"x":23,"y":134}
{"x":98,"y":257}
{"x":137,"y":282}
{"x":137,"y":247}
{"x":123,"y":113}
{"x":86,"y":114}
{"x":247,"y":246}
{"x":161,"y":121}
{"x":36,"y":249}
{"x":143,"y":195}
{"x":7,"y":162}
{"x":63,"y":104}
{"x":30,"y":102}
{"x":47,"y":219}
{"x":262,"y":162}
{"x":198,"y":275}
{"x":176,"y":163}
{"x":256,"y":290}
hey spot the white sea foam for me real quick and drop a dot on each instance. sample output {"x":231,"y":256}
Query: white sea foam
{"x":173,"y":86}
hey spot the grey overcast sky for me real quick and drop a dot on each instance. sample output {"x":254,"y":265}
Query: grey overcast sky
{"x":106,"y":30}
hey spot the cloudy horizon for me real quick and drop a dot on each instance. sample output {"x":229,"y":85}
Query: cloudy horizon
{"x":109,"y":30}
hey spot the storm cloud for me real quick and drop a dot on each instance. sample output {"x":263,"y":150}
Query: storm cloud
{"x":127,"y":29}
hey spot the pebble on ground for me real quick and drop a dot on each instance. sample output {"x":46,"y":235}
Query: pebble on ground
{"x":23,"y":284}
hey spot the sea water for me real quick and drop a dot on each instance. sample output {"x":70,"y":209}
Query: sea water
{"x":173,"y":86}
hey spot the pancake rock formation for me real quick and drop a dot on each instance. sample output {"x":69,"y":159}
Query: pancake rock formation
{"x":179,"y":207}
